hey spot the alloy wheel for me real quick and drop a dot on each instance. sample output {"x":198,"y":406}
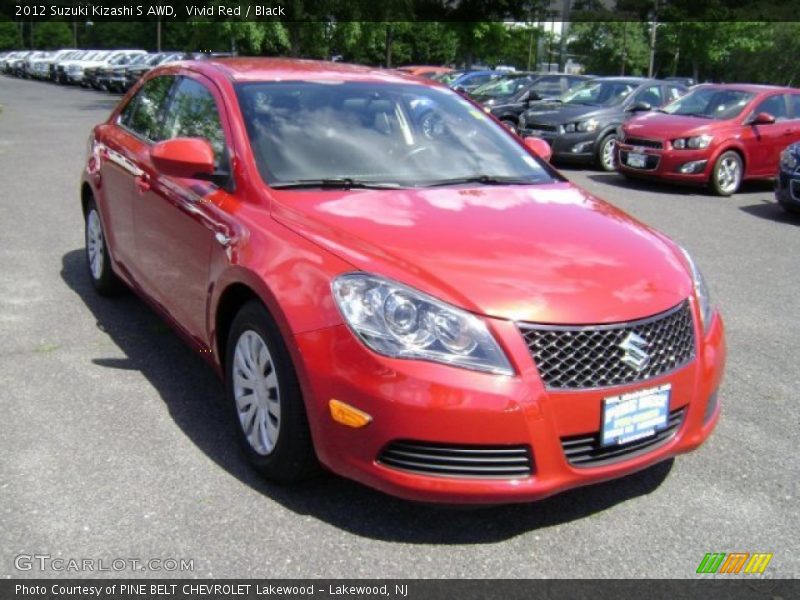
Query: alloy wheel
{"x":95,"y":246}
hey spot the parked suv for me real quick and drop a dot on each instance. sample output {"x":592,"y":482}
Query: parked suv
{"x":717,"y":134}
{"x":582,"y":124}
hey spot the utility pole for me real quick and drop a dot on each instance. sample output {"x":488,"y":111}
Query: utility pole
{"x":624,"y":47}
{"x":158,"y":34}
{"x":74,"y":32}
{"x":566,"y":7}
{"x":653,"y":28}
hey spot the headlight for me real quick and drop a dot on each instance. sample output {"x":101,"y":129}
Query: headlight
{"x":588,"y":126}
{"x":397,"y":321}
{"x":697,"y":142}
{"x":788,"y":159}
{"x":700,"y":290}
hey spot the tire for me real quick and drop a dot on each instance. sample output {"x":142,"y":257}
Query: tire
{"x":98,"y":263}
{"x":726,"y":176}
{"x":265,"y":399}
{"x":789,"y":208}
{"x":606,"y":153}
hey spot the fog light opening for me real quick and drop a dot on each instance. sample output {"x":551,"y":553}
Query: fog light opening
{"x":348,"y":415}
{"x":695,"y":166}
{"x":582,"y":147}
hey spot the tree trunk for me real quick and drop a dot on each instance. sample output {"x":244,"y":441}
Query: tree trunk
{"x":389,"y":41}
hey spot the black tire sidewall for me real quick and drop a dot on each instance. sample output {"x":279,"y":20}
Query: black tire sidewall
{"x":293,"y":457}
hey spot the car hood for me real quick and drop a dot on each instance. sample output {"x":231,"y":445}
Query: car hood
{"x":546,"y":253}
{"x":663,"y":126}
{"x":555,"y":113}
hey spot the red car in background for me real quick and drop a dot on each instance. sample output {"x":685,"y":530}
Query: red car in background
{"x":413,"y":298}
{"x":427,"y":71}
{"x":716,"y":135}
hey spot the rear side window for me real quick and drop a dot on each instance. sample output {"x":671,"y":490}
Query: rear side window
{"x":143,"y":113}
{"x":193,"y":112}
{"x":650,"y":95}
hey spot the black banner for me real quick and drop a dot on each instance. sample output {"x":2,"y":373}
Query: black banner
{"x":398,"y":589}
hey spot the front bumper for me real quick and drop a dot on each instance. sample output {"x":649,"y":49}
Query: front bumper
{"x":414,"y":400}
{"x":787,"y":188}
{"x":665,"y":164}
{"x":578,"y":146}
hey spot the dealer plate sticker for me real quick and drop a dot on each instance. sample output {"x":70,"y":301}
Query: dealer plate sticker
{"x":637,"y":160}
{"x":635,"y":415}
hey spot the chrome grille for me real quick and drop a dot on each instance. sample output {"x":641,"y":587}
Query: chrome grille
{"x":581,"y":357}
{"x":429,"y":458}
{"x":587,"y":451}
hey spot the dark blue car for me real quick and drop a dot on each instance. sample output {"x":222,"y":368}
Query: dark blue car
{"x":787,"y":184}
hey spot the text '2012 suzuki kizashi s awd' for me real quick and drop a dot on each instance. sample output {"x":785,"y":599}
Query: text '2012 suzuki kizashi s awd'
{"x":395,"y":286}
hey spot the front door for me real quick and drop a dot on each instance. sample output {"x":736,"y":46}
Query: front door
{"x":178,"y":221}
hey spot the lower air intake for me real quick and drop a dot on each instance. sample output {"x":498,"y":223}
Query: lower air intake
{"x":428,"y":458}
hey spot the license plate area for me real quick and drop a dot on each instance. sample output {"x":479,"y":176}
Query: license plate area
{"x":635,"y":415}
{"x":637,"y":160}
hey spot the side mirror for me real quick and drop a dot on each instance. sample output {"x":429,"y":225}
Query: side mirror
{"x":640,"y":107}
{"x":539,"y":147}
{"x":762,"y":119}
{"x":184,"y":157}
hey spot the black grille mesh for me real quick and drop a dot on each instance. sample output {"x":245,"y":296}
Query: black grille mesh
{"x":509,"y":462}
{"x":583,"y":357}
{"x":631,"y":141}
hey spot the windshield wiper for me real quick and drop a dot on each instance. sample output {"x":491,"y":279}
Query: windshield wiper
{"x":339,"y":183}
{"x":482,"y":179}
{"x":692,"y":114}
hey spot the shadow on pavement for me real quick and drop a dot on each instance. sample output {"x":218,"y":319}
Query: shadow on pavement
{"x":194,"y":397}
{"x":772,"y":211}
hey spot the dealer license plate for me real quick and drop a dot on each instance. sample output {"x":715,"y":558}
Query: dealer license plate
{"x":635,"y":415}
{"x":637,"y":160}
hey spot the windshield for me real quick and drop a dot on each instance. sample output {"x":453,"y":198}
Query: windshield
{"x":599,"y":93}
{"x":508,"y":86}
{"x":710,"y":103}
{"x":379,"y":133}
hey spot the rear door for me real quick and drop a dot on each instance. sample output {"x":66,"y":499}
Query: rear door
{"x":179,"y":222}
{"x":119,"y":145}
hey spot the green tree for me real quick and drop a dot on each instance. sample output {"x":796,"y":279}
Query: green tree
{"x":611,"y":48}
{"x":9,"y":35}
{"x":52,"y":34}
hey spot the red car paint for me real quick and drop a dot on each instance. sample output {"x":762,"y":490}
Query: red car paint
{"x":537,"y":253}
{"x":759,"y":145}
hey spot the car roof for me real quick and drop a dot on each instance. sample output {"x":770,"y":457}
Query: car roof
{"x":746,"y":87}
{"x":241,"y":69}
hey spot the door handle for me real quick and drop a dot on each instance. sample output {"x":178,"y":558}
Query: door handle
{"x":142,"y":183}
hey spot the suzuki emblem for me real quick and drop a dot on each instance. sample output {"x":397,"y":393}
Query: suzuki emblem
{"x":635,"y":355}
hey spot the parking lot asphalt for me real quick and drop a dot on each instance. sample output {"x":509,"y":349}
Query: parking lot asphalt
{"x":115,"y":444}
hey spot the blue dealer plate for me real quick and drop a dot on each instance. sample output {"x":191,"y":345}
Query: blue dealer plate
{"x":635,"y":415}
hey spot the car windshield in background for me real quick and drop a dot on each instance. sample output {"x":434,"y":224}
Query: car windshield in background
{"x":599,"y":93}
{"x":381,"y":134}
{"x":508,"y":86}
{"x":710,"y":103}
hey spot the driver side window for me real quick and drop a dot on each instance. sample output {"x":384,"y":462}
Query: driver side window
{"x":775,"y":106}
{"x":193,"y":113}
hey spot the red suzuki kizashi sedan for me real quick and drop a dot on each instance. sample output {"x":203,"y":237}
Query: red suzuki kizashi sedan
{"x":395,"y":286}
